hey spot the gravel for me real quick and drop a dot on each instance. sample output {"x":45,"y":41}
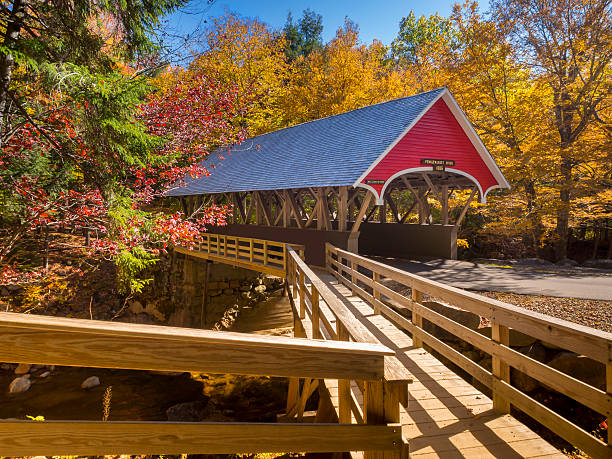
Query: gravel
{"x":592,"y":313}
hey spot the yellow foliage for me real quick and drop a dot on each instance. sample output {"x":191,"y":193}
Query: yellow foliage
{"x":246,"y":53}
{"x":343,"y":76}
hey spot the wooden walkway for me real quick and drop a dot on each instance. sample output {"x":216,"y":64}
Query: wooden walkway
{"x":446,"y":417}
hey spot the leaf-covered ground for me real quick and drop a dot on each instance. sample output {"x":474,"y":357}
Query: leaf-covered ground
{"x":592,"y":313}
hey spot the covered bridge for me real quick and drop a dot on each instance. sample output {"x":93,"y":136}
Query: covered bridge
{"x":367,"y":180}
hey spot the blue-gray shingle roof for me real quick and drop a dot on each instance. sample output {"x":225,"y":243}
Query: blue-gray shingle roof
{"x":332,"y":151}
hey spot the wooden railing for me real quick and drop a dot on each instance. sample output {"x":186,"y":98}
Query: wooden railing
{"x":74,"y":342}
{"x":592,"y":343}
{"x":319,"y":313}
{"x":265,"y":256}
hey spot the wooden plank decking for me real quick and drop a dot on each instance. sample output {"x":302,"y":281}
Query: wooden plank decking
{"x":446,"y":416}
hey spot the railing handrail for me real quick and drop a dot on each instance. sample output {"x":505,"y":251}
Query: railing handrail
{"x":296,"y":247}
{"x":29,"y":338}
{"x":96,"y":438}
{"x":251,"y":253}
{"x":593,"y":343}
{"x":355,"y":328}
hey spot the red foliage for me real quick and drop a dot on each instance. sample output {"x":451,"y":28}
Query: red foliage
{"x":193,"y":116}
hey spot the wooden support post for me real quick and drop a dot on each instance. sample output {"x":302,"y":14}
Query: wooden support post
{"x":609,"y":392}
{"x":444,"y":203}
{"x":251,"y":250}
{"x":394,"y":393}
{"x":294,"y":279}
{"x":416,"y":318}
{"x":258,"y":208}
{"x":294,"y":383}
{"x":362,"y":212}
{"x":344,"y":385}
{"x":343,"y":212}
{"x":286,"y":209}
{"x":375,"y":291}
{"x":501,"y":370}
{"x":423,"y":206}
{"x":373,"y":410}
{"x":353,"y":242}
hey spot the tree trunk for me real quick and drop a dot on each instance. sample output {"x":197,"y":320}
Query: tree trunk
{"x":537,"y":228}
{"x":11,"y":34}
{"x":563,"y":210}
{"x":596,"y":237}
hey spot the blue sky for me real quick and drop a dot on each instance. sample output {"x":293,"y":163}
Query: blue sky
{"x":376,"y":19}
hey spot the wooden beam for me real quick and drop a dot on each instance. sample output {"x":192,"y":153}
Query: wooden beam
{"x":430,"y":184}
{"x":315,"y":212}
{"x":465,"y":208}
{"x":98,"y":438}
{"x":393,"y":207}
{"x":324,"y":210}
{"x":294,"y":208}
{"x":252,"y":205}
{"x":342,"y":208}
{"x":362,"y":211}
{"x":370,"y":213}
{"x":298,"y":200}
{"x":407,"y":214}
{"x":90,"y":343}
{"x":280,"y":207}
{"x":239,"y":204}
{"x":262,"y":207}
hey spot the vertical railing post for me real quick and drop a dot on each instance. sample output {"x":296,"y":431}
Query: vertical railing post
{"x":302,"y":296}
{"x":501,"y":370}
{"x":417,"y":320}
{"x":344,"y":385}
{"x":375,"y":291}
{"x":265,"y":252}
{"x":225,"y":246}
{"x":285,"y":256}
{"x":316,"y":313}
{"x":251,"y":248}
{"x":295,"y":280}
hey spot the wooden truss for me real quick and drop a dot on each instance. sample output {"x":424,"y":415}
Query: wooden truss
{"x":408,"y":199}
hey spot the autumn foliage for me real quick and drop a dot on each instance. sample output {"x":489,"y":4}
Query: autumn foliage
{"x":95,"y":128}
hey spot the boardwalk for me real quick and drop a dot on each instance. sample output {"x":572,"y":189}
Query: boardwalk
{"x":446,"y":417}
{"x":440,"y":413}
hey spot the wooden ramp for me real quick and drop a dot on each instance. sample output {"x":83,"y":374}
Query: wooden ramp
{"x":446,"y":417}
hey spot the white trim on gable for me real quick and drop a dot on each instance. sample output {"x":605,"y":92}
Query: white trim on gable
{"x":469,"y":130}
{"x":467,"y":127}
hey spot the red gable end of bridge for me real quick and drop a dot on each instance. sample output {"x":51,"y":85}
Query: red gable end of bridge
{"x":437,"y":135}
